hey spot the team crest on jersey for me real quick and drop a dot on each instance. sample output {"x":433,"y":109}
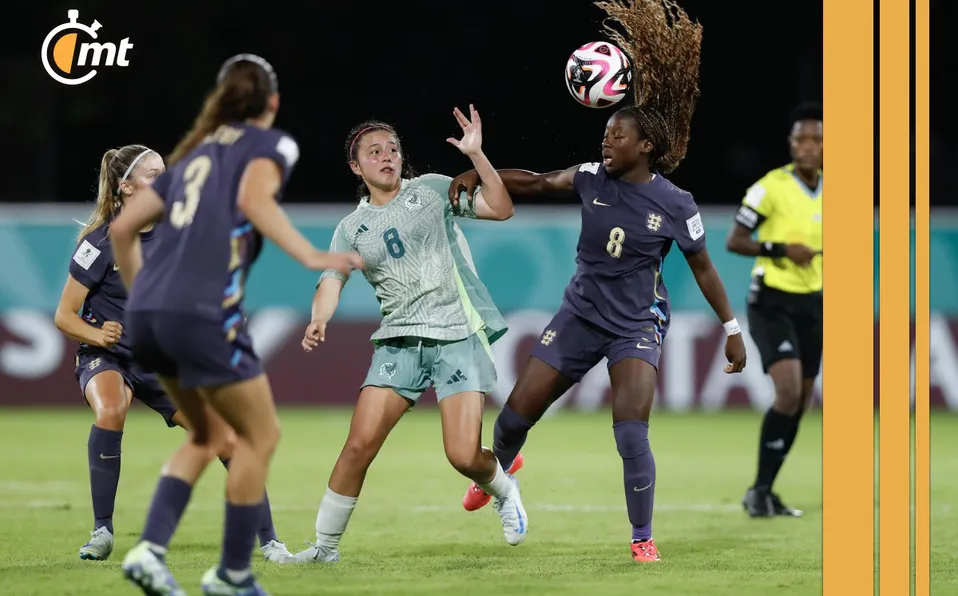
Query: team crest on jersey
{"x":413,"y":202}
{"x":653,"y":222}
{"x":387,"y":370}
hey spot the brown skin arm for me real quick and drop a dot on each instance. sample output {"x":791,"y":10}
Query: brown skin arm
{"x":740,"y":242}
{"x":713,"y":290}
{"x":556,"y":184}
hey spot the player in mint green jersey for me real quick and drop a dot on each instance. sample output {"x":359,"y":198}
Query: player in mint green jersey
{"x":438,"y":321}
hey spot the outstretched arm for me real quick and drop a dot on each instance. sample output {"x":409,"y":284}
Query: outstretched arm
{"x":557,"y":184}
{"x":494,"y":200}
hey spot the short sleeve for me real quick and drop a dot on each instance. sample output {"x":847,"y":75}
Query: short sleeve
{"x":687,"y":228}
{"x":756,"y":207}
{"x":584,"y":179}
{"x":90,"y":260}
{"x":339,"y":243}
{"x":281,"y":148}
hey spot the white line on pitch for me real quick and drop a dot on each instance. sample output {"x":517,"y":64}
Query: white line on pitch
{"x":31,"y":487}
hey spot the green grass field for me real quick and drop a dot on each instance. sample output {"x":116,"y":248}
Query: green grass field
{"x":409,"y":534}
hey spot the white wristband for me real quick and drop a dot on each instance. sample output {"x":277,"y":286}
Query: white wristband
{"x":732,"y":327}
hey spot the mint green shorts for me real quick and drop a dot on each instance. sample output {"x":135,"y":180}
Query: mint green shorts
{"x":410,"y":365}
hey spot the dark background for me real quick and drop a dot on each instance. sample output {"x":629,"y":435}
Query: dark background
{"x":407,"y":63}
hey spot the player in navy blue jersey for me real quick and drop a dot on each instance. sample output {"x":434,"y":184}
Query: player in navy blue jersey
{"x":616,"y":306}
{"x":90,"y":311}
{"x":185,"y":317}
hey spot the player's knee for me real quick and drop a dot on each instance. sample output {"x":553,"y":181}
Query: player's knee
{"x":225,"y":444}
{"x":268,"y":438}
{"x":359,"y":451}
{"x":465,"y":458}
{"x":631,"y":406}
{"x":111,"y":416}
{"x":788,"y":397}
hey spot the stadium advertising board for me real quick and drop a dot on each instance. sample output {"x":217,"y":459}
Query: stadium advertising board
{"x":525,"y":262}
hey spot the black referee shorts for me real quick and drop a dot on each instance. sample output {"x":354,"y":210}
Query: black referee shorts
{"x":784,"y":325}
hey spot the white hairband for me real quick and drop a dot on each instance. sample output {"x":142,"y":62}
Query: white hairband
{"x":132,"y":165}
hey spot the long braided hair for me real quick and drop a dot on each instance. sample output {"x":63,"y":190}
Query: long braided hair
{"x":665,"y":47}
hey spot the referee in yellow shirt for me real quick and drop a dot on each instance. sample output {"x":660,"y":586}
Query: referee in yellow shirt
{"x":783,"y":211}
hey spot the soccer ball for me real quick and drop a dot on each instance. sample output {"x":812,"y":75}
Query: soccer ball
{"x":598,"y":74}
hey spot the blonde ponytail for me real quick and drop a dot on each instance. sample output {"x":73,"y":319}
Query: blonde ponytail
{"x":113,"y":165}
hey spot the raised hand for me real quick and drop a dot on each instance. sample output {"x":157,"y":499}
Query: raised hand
{"x":471,"y":142}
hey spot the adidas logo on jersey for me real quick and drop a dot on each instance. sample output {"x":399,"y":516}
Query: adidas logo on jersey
{"x":362,"y":229}
{"x":786,"y":346}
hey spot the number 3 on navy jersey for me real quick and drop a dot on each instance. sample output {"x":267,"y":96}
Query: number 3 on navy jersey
{"x":194,"y":177}
{"x":616,"y":238}
{"x":393,"y":244}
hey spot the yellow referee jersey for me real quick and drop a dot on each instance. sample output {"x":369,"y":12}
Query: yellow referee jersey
{"x":785,"y":210}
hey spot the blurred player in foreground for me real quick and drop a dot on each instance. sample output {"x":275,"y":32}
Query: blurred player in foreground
{"x":785,"y":305}
{"x":616,"y":305}
{"x":438,"y":322}
{"x":90,"y":311}
{"x":185,"y":314}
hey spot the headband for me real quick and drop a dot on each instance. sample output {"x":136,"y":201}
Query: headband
{"x":361,"y":133}
{"x":249,"y":58}
{"x":132,"y":165}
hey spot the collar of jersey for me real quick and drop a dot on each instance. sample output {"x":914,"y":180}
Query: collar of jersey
{"x":364,"y":202}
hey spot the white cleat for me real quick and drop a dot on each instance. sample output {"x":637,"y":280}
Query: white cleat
{"x":149,"y":572}
{"x":275,"y":551}
{"x":316,"y":553}
{"x":515,"y":522}
{"x":99,"y":547}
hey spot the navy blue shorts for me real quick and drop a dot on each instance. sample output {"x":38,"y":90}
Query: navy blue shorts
{"x":196,"y":351}
{"x":145,"y":387}
{"x":573,"y":345}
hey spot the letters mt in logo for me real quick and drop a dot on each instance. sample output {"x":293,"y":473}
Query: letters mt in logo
{"x":62,"y":56}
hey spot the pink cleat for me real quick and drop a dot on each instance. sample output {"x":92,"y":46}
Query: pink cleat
{"x":476,"y":498}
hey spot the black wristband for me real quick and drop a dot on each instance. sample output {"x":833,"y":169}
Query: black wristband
{"x":771,"y":249}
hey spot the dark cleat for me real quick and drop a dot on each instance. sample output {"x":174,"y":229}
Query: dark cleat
{"x":783,"y":510}
{"x":758,"y":503}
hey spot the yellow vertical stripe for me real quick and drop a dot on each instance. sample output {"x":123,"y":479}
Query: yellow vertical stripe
{"x":922,"y":381}
{"x":894,"y":469}
{"x":848,"y":425}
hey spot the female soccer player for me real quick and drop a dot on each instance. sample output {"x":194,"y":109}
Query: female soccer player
{"x":785,"y":304}
{"x":90,"y":311}
{"x":616,"y":305}
{"x":185,"y":313}
{"x":438,"y":323}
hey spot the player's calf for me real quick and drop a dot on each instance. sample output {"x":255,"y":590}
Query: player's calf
{"x":510,"y":435}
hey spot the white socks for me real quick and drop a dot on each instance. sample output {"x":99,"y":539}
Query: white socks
{"x":332,"y":518}
{"x":500,"y":485}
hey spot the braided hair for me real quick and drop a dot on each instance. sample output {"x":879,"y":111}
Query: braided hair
{"x":665,"y":47}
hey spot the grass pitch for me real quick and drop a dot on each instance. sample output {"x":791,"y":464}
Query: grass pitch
{"x":410,"y":535}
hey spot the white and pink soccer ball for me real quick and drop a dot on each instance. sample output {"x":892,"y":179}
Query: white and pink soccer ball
{"x":598,"y":74}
